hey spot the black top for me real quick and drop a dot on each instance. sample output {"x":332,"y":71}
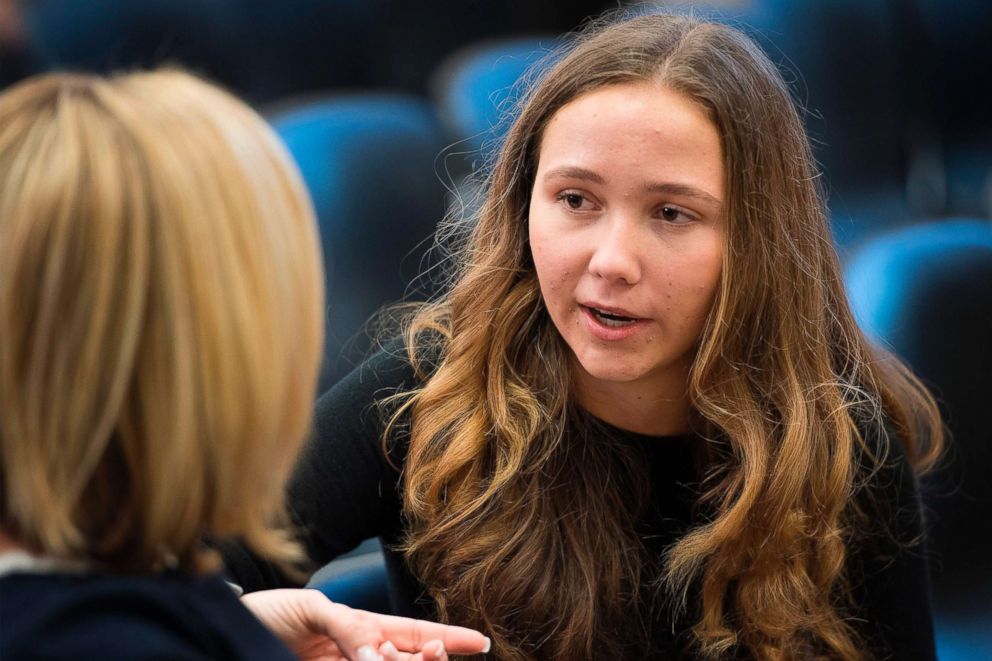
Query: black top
{"x":103,"y":616}
{"x":345,"y":491}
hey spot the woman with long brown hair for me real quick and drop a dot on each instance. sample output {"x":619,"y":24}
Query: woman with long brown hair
{"x":642,"y":421}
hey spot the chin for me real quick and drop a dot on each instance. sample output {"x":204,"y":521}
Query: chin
{"x":608,"y":368}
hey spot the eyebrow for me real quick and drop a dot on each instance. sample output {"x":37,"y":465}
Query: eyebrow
{"x":668,"y":188}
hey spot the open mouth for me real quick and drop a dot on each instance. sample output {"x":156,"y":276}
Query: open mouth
{"x":611,"y":320}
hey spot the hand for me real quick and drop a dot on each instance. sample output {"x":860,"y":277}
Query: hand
{"x":315,"y":628}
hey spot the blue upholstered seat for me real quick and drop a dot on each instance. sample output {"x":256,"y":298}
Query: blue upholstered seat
{"x":368,"y":161}
{"x":925,"y":292}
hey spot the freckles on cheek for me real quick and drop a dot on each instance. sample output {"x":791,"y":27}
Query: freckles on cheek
{"x":557,"y":282}
{"x":553,"y":271}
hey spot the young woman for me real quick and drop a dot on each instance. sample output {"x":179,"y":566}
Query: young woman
{"x":160,"y":328}
{"x":642,"y":422}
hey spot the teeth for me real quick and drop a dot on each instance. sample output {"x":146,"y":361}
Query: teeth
{"x":611,"y":320}
{"x":613,"y":323}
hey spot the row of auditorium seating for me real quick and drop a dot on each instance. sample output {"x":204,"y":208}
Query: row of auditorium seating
{"x":267,"y":50}
{"x":893,"y":88}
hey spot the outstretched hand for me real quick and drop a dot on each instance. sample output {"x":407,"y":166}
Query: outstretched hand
{"x":317,"y":629}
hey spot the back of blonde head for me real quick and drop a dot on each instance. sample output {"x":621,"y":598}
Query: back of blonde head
{"x":160,"y":320}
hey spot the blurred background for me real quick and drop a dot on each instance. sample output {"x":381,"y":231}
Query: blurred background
{"x":392,"y":109}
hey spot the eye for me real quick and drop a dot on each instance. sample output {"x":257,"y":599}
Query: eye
{"x":574,"y":200}
{"x":674,"y":214}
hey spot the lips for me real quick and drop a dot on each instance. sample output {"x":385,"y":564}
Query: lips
{"x":610,"y":312}
{"x":611,"y":320}
{"x":611,"y":323}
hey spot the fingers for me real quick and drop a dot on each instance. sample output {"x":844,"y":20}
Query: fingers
{"x":410,"y":634}
{"x":361,"y":635}
{"x":389,"y":652}
{"x":355,"y":632}
{"x":368,"y":653}
{"x":433,"y":651}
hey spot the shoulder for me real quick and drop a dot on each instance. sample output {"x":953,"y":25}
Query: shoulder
{"x":888,"y":569}
{"x":347,"y":483}
{"x":55,"y":616}
{"x":886,"y":515}
{"x":361,"y":400}
{"x":886,"y":483}
{"x":414,"y":364}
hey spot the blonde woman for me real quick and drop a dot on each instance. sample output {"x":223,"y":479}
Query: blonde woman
{"x":642,"y":422}
{"x":160,"y":329}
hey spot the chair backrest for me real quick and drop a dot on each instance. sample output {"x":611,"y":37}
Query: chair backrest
{"x":294,"y":47}
{"x":369,"y":163}
{"x":475,"y":87}
{"x":842,"y":60}
{"x":955,"y":52}
{"x":926,"y":292}
{"x":360,"y":581}
{"x":101,"y":36}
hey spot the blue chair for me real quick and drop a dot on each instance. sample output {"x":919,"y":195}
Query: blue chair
{"x":954,"y":49}
{"x":412,"y":38}
{"x":292,"y":47}
{"x":475,"y":87}
{"x":105,"y":35}
{"x":265,"y":50}
{"x":841,"y":60}
{"x":925,"y":291}
{"x":843,"y":63}
{"x":359,"y":581}
{"x":368,"y":162}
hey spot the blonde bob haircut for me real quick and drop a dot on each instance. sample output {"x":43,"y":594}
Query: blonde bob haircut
{"x":161,"y":321}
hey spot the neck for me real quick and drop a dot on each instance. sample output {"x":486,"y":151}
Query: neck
{"x":651,"y":407}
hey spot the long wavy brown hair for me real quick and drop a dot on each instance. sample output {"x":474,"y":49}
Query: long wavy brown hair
{"x":522,"y":513}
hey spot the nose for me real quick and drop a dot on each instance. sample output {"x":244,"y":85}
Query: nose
{"x":616,"y":256}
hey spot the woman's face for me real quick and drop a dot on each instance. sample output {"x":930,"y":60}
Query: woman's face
{"x":626,"y":232}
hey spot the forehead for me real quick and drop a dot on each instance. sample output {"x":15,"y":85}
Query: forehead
{"x":641,"y":130}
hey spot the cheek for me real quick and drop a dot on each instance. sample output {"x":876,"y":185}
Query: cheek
{"x":557,"y":289}
{"x":712,"y":270}
{"x":553,"y":275}
{"x":690,"y":286}
{"x":553,"y":261}
{"x":705,"y":285}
